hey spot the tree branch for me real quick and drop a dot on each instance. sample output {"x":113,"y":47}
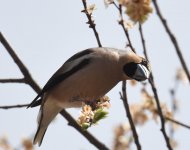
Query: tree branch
{"x":22,"y":80}
{"x":152,"y":83}
{"x":172,"y":38}
{"x":14,"y":106}
{"x":124,"y":91}
{"x":91,"y":22}
{"x":121,"y":22}
{"x":30,"y":81}
{"x":177,"y":122}
{"x":127,"y":109}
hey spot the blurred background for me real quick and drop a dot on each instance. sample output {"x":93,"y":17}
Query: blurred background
{"x":46,"y":33}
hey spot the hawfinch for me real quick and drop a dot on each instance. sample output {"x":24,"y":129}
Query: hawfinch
{"x":86,"y":76}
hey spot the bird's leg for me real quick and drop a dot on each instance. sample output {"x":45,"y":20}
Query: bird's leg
{"x":92,"y":103}
{"x":102,"y":102}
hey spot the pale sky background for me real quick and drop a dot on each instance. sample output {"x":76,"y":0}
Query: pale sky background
{"x":44,"y":33}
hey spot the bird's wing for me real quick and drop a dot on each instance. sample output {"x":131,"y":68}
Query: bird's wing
{"x":71,"y":66}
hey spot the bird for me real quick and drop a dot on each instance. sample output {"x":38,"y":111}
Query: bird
{"x":86,"y":76}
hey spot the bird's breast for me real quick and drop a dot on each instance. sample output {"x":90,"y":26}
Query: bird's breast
{"x":88,"y":84}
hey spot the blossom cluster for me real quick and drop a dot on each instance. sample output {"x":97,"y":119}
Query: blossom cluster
{"x":137,"y":10}
{"x":93,"y":112}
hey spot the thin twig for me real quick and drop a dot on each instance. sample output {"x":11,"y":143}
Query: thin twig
{"x":88,"y":136}
{"x":30,"y":81}
{"x":91,"y":22}
{"x":121,"y":22}
{"x":22,"y":80}
{"x":162,"y":120}
{"x":177,"y":122}
{"x":124,"y":92}
{"x":154,"y":89}
{"x":143,"y":42}
{"x":13,"y":106}
{"x":172,"y":38}
{"x":128,"y":113}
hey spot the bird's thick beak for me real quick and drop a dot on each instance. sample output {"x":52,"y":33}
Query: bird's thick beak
{"x":142,"y":73}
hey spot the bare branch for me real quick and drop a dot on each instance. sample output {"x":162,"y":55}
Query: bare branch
{"x":91,"y":22}
{"x":127,"y":109}
{"x":22,"y":80}
{"x":14,"y":106}
{"x":177,"y":122}
{"x":121,"y":22}
{"x":124,"y":92}
{"x":152,"y":83}
{"x":162,"y":120}
{"x":172,"y":38}
{"x":30,"y":81}
{"x":143,"y":42}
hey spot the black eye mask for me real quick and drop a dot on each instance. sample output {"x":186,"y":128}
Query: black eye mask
{"x":130,"y":69}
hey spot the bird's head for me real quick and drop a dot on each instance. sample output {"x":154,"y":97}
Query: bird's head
{"x":135,"y":67}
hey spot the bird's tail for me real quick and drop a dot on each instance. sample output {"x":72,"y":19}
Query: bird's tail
{"x":39,"y":135}
{"x":47,"y":113}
